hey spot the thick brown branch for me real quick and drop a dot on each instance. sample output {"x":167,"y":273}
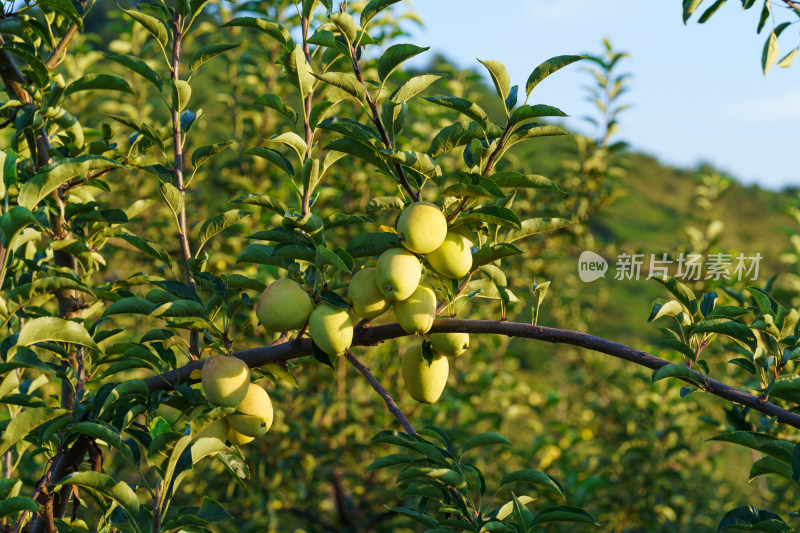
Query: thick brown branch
{"x":371,"y":336}
{"x":383,"y":393}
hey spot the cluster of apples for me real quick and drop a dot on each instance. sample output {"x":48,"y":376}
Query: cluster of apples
{"x":226,"y":383}
{"x":396,"y":280}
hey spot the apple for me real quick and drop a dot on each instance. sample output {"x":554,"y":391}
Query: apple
{"x":416,"y":313}
{"x":421,"y":227}
{"x":225,"y":380}
{"x":397,"y":273}
{"x":424,"y":383}
{"x":257,"y":414}
{"x":284,"y":306}
{"x":450,"y":344}
{"x":367,"y":299}
{"x":453,"y":258}
{"x":331,"y":329}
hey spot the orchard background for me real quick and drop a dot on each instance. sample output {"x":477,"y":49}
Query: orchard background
{"x":163,"y":162}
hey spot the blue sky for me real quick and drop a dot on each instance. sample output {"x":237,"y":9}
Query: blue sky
{"x":697,"y":91}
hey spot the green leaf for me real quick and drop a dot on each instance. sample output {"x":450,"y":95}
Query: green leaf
{"x":532,"y":477}
{"x":753,"y":519}
{"x":788,"y":59}
{"x":104,"y":432}
{"x":345,"y":81}
{"x":263,"y":254}
{"x":418,"y":161}
{"x":292,"y":140}
{"x":361,"y":133}
{"x":546,"y":68}
{"x":373,"y":8}
{"x":499,"y":74}
{"x":762,"y":442}
{"x":131,"y":305}
{"x":564,"y":514}
{"x":150,"y":248}
{"x":274,"y":101}
{"x":394,"y":459}
{"x":357,"y":149}
{"x":770,"y":465}
{"x":151,"y":24}
{"x":536,"y":225}
{"x":298,"y":70}
{"x":91,"y":82}
{"x":209,"y":51}
{"x":462,"y":105}
{"x":770,"y":52}
{"x":525,"y":112}
{"x":25,"y":422}
{"x":516,"y":180}
{"x":688,"y":8}
{"x":263,"y":200}
{"x":267,"y":25}
{"x":172,"y":196}
{"x":508,"y":507}
{"x":179,"y":308}
{"x":53,"y":176}
{"x":492,"y":214}
{"x":50,"y":328}
{"x":680,"y":291}
{"x":710,"y":11}
{"x":459,"y":134}
{"x":13,"y":222}
{"x":203,"y":153}
{"x":219,"y":223}
{"x":395,"y":55}
{"x":419,"y":516}
{"x":138,"y":66}
{"x":484,"y":439}
{"x":341,"y":219}
{"x":145,"y":130}
{"x":66,"y":8}
{"x":371,"y":244}
{"x":532,"y":130}
{"x":105,"y":485}
{"x":492,"y":252}
{"x":786,"y":389}
{"x":675,"y":371}
{"x":731,"y":328}
{"x":181,"y":93}
{"x":325,"y":256}
{"x":15,"y":504}
{"x":413,"y":87}
{"x":274,"y":157}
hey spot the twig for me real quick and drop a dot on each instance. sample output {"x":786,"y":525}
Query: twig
{"x":383,"y":393}
{"x":376,"y":119}
{"x":489,"y":166}
{"x":56,"y":58}
{"x":309,"y":134}
{"x":177,"y":37}
{"x":372,"y":336}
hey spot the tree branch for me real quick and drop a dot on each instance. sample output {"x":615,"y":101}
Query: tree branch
{"x":383,"y":393}
{"x":372,"y":336}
